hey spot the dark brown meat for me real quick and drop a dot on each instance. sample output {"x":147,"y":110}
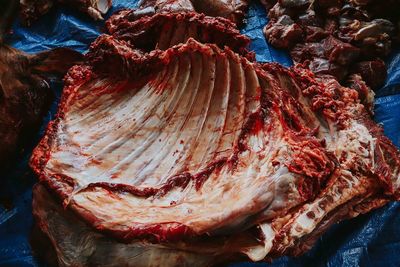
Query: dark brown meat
{"x":333,"y":34}
{"x":7,"y":14}
{"x":285,"y":33}
{"x":31,"y":10}
{"x":25,"y":94}
{"x":233,"y":10}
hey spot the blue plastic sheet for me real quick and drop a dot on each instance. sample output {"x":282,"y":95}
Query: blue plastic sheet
{"x":368,"y":240}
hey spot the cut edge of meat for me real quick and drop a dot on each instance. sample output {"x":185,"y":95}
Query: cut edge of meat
{"x":163,"y":30}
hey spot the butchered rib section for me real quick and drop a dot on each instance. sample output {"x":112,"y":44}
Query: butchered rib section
{"x":164,"y":30}
{"x":181,"y":141}
{"x":197,"y":142}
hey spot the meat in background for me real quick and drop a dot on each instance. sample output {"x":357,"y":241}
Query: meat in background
{"x":31,"y":10}
{"x":347,"y":39}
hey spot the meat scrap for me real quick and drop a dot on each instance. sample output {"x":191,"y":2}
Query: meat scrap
{"x":336,"y":37}
{"x":31,"y":10}
{"x":234,"y":10}
{"x":146,"y":144}
{"x":25,"y":94}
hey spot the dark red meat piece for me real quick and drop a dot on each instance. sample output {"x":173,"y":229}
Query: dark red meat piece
{"x":336,"y":32}
{"x":372,"y":72}
{"x":284,"y":33}
{"x":365,"y":94}
{"x":25,"y":94}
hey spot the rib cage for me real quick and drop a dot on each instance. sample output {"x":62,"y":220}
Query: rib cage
{"x":196,"y":148}
{"x":200,"y":141}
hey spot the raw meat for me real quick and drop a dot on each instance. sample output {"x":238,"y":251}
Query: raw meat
{"x":31,"y":10}
{"x":94,"y":8}
{"x":195,"y":150}
{"x":165,"y":30}
{"x":339,"y":38}
{"x":25,"y":94}
{"x":168,"y":5}
{"x":233,"y":10}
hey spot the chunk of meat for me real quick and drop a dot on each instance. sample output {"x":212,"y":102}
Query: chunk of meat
{"x":25,"y":94}
{"x":372,"y":72}
{"x":365,"y":93}
{"x":322,"y":66}
{"x":335,"y":34}
{"x":164,"y":30}
{"x":285,"y":33}
{"x":340,"y":52}
{"x":330,"y":48}
{"x":373,"y":37}
{"x":31,"y":10}
{"x":233,"y":10}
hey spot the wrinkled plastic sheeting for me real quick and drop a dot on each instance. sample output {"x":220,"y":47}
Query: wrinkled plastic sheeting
{"x":368,"y":240}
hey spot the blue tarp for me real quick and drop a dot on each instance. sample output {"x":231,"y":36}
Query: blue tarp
{"x":368,"y":240}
